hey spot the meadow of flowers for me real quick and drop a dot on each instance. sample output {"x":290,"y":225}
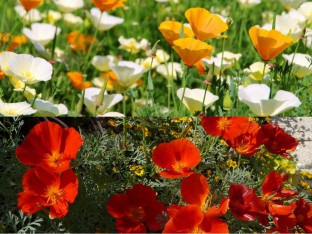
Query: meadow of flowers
{"x":164,"y":58}
{"x":173,"y":100}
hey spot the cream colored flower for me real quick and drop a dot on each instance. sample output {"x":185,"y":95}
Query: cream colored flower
{"x":71,"y":20}
{"x":217,"y":64}
{"x":302,"y":63}
{"x":41,"y":33}
{"x":249,"y":3}
{"x":194,"y":98}
{"x":289,"y":4}
{"x":161,"y":55}
{"x":30,"y":69}
{"x":147,"y":63}
{"x":229,"y":56}
{"x":52,"y":16}
{"x":170,"y":70}
{"x":306,"y":10}
{"x":45,"y":108}
{"x":255,"y":71}
{"x":102,"y":62}
{"x":256,"y":96}
{"x":5,"y":58}
{"x":32,"y":16}
{"x":131,"y":45}
{"x":67,"y":6}
{"x":15,"y":109}
{"x":102,"y":20}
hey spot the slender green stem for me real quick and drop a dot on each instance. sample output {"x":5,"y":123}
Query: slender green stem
{"x":241,"y":30}
{"x":184,"y":86}
{"x":263,"y":71}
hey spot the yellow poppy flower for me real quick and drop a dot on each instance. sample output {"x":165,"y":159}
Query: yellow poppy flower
{"x":30,"y":4}
{"x":191,"y":50}
{"x":204,"y":24}
{"x":171,"y":31}
{"x":269,"y":44}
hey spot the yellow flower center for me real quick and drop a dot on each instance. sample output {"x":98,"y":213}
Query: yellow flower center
{"x":224,"y":123}
{"x":178,"y":166}
{"x":137,"y":213}
{"x":28,"y":75}
{"x":242,"y":147}
{"x":54,"y":195}
{"x":54,"y":159}
{"x":10,"y":112}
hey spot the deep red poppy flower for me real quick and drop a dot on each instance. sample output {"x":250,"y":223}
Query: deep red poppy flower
{"x":241,"y":204}
{"x":279,"y":142}
{"x":136,"y":210}
{"x":49,"y":146}
{"x":196,"y":216}
{"x":176,"y":157}
{"x":46,"y":189}
{"x":246,"y":138}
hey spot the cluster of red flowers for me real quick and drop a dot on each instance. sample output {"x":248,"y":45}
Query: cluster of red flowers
{"x":246,"y":136}
{"x":246,"y":205}
{"x":51,"y":183}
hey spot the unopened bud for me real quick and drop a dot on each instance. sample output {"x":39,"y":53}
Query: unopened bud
{"x":227,"y":102}
{"x":80,"y":103}
{"x":100,"y":97}
{"x":154,"y":49}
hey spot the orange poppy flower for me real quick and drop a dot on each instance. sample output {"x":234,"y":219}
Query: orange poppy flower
{"x":269,"y":44}
{"x":191,"y":50}
{"x":204,"y":24}
{"x":196,"y":217}
{"x":176,"y":157}
{"x":106,"y":5}
{"x":14,"y":41}
{"x":77,"y":81}
{"x":171,"y":31}
{"x":30,"y":4}
{"x":79,"y":42}
{"x":45,"y":189}
{"x":136,"y":210}
{"x":112,"y":83}
{"x":50,"y":146}
{"x":2,"y":74}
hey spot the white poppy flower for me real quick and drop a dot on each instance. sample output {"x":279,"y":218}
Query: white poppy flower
{"x":208,"y":63}
{"x":108,"y":101}
{"x":5,"y":58}
{"x":306,"y":10}
{"x":107,"y":21}
{"x":131,"y":45}
{"x":147,"y":63}
{"x":249,"y":3}
{"x":255,"y":71}
{"x":161,"y":55}
{"x":256,"y":96}
{"x":17,"y":83}
{"x":45,"y":108}
{"x":229,"y":56}
{"x":52,"y":16}
{"x":102,"y":62}
{"x":41,"y":33}
{"x":30,"y":69}
{"x":170,"y":70}
{"x":30,"y":93}
{"x":45,"y":53}
{"x":32,"y":16}
{"x":71,"y":20}
{"x":193,"y":98}
{"x":16,"y":109}
{"x":112,"y":114}
{"x":68,"y":5}
{"x":127,"y":72}
{"x":302,"y":63}
{"x":288,"y":4}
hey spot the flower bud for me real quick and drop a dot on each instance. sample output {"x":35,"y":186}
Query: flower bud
{"x":227,"y":102}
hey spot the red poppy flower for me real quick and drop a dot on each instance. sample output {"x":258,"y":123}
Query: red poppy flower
{"x":176,"y":157}
{"x":45,"y":189}
{"x":196,"y":216}
{"x":136,"y":210}
{"x":271,"y":194}
{"x":245,"y":138}
{"x":50,"y":146}
{"x":219,"y":126}
{"x":303,"y":213}
{"x":278,"y":142}
{"x":241,"y":204}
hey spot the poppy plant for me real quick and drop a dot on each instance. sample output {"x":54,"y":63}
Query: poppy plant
{"x":269,"y":44}
{"x":176,"y":157}
{"x":191,"y":50}
{"x":44,"y":189}
{"x":171,"y":31}
{"x":49,"y":146}
{"x":279,"y":142}
{"x":137,"y":210}
{"x":204,"y":24}
{"x":107,"y":5}
{"x":196,"y":216}
{"x":79,"y":41}
{"x":30,"y":4}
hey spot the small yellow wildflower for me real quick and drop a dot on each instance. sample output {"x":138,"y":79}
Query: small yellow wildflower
{"x":307,"y":174}
{"x":217,"y":178}
{"x":112,"y":122}
{"x":137,"y":170}
{"x":304,"y":184}
{"x":251,"y":119}
{"x":222,"y":142}
{"x":231,"y":163}
{"x":158,"y":169}
{"x":186,"y":119}
{"x":209,"y":172}
{"x":267,"y":119}
{"x":114,"y":169}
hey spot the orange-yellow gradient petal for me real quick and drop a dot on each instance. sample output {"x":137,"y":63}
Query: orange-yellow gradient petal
{"x":191,"y":50}
{"x":77,"y":81}
{"x":269,"y":44}
{"x":204,"y":24}
{"x":30,"y":4}
{"x":171,"y":31}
